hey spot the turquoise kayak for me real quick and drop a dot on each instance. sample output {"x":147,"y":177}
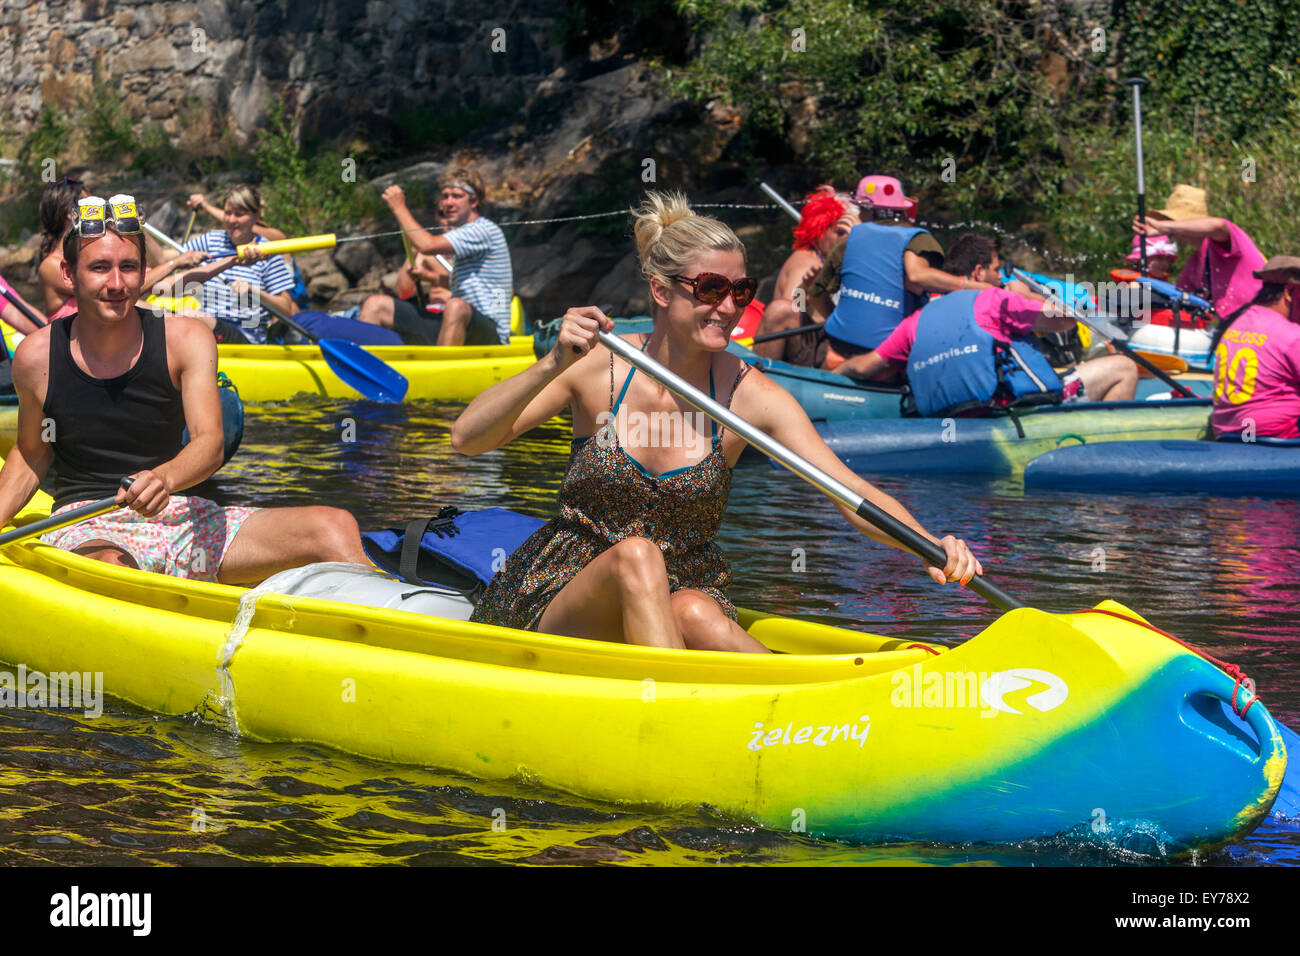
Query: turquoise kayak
{"x":1263,"y":467}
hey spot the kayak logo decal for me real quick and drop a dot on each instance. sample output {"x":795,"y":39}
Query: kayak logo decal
{"x":998,"y":685}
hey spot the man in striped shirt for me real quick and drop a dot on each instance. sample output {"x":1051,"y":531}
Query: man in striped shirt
{"x":234,"y":302}
{"x":478,"y":310}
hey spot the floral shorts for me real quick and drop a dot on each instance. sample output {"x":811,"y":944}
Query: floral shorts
{"x":188,"y":540}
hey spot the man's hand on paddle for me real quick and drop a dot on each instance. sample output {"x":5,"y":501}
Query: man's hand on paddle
{"x":579,"y":333}
{"x":962,"y":564}
{"x":148,"y":494}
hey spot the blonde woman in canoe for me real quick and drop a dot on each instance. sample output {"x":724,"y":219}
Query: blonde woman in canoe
{"x":631,"y":556}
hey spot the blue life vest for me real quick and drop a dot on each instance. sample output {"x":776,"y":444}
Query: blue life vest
{"x":873,"y":299}
{"x":955,"y":365}
{"x":460,"y":550}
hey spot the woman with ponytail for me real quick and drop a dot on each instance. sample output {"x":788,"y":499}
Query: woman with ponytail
{"x":631,"y":556}
{"x":1257,"y":358}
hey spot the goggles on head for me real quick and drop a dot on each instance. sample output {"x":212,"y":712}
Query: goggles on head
{"x":94,"y":215}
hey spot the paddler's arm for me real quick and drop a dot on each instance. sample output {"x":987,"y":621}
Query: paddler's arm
{"x":771,"y":408}
{"x":1186,"y":231}
{"x":153,"y":279}
{"x":923,"y":277}
{"x":14,"y":317}
{"x":30,"y":458}
{"x":422,"y":239}
{"x":538,"y":393}
{"x":192,"y":357}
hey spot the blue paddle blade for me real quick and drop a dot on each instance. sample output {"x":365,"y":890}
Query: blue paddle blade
{"x":1171,"y":291}
{"x":363,"y":372}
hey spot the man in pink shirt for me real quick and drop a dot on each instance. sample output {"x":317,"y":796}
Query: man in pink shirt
{"x":1257,"y":360}
{"x":1009,"y":318}
{"x":1224,"y":258}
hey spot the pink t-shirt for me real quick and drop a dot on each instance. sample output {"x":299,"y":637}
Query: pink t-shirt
{"x":1257,"y":375}
{"x":1231,"y":283}
{"x":1004,"y":315}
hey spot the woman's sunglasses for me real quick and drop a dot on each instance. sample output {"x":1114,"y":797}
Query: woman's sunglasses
{"x":711,"y":288}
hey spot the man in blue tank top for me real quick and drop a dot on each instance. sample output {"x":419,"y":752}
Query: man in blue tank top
{"x":974,"y":349}
{"x":106,"y":393}
{"x":883,"y":272}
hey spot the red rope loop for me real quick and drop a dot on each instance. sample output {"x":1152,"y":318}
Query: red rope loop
{"x":1232,"y":670}
{"x":924,"y":647}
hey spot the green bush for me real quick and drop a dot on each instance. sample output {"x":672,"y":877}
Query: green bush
{"x":106,"y":126}
{"x":1090,"y":219}
{"x":307,"y":194}
{"x":47,"y":139}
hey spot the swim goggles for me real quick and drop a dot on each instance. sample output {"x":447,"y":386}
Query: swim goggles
{"x":711,"y":288}
{"x":94,"y":215}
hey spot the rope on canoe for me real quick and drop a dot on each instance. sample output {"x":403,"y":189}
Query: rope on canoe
{"x":1232,"y":670}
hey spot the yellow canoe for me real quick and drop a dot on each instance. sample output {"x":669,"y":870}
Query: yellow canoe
{"x":1042,"y":724}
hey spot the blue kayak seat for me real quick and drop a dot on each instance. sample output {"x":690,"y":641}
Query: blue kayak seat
{"x":455,"y":549}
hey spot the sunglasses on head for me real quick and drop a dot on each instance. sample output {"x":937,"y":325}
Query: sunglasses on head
{"x":711,"y":288}
{"x":94,"y":215}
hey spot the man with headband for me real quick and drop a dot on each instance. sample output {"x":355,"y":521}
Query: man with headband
{"x":107,"y":392}
{"x":478,"y":309}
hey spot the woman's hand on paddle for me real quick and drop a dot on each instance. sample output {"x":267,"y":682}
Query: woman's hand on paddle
{"x":195,"y":201}
{"x":147,"y":495}
{"x":249,"y":254}
{"x":579,"y":333}
{"x":962,"y":564}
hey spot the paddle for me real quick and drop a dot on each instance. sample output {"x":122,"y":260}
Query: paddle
{"x":780,"y":200}
{"x":22,"y":307}
{"x":811,"y":327}
{"x":357,"y":368}
{"x":1102,"y":328}
{"x":1137,"y":83}
{"x":190,"y":225}
{"x":53,"y":523}
{"x":832,"y":488}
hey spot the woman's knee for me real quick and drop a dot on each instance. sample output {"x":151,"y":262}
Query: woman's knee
{"x":639,"y":564}
{"x":703,"y":625}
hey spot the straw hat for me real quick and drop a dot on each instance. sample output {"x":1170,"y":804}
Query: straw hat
{"x":1280,"y":270}
{"x":1185,"y":202}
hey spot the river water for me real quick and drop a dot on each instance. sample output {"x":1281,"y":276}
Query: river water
{"x":133,"y":787}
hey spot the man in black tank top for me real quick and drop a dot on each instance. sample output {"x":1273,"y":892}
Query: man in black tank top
{"x":106,"y":393}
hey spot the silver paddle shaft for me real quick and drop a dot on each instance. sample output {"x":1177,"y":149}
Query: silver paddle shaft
{"x":53,"y":523}
{"x":1137,"y":122}
{"x":779,"y":200}
{"x":832,"y":488}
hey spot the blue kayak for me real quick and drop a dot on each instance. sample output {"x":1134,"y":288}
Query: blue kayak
{"x":1002,"y":444}
{"x":1269,"y":466}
